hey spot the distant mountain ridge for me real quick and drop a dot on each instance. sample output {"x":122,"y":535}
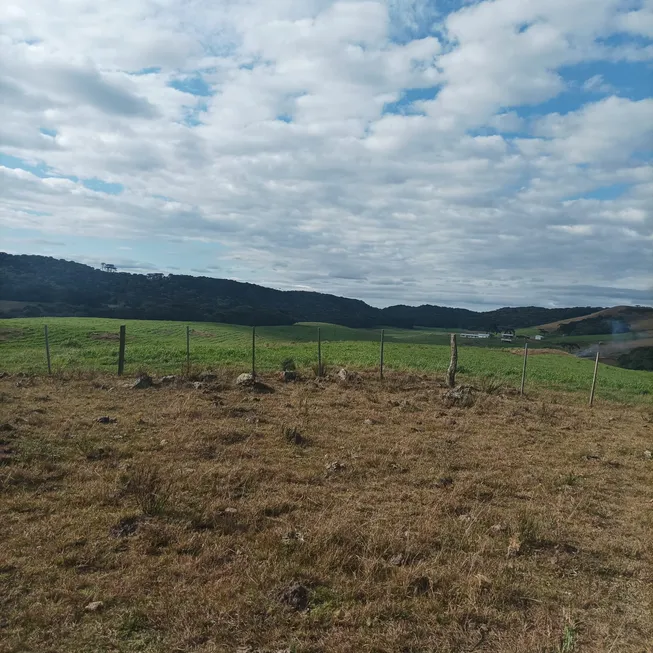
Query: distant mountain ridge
{"x":32,"y":286}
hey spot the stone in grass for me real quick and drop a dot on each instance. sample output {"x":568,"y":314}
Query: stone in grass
{"x":648,"y":454}
{"x":94,"y":606}
{"x":105,"y":419}
{"x":295,"y":596}
{"x":246,"y":379}
{"x":143,"y":381}
{"x":335,"y":466}
{"x":167,"y":380}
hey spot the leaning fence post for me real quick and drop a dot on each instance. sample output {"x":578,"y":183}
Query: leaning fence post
{"x":319,"y":352}
{"x":453,"y":363}
{"x":121,"y":351}
{"x":253,"y":351}
{"x":523,"y":373}
{"x":381,"y":355}
{"x":596,"y":370}
{"x":47,"y":348}
{"x":188,"y":350}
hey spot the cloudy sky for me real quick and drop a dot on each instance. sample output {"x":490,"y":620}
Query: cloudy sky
{"x":399,"y":151}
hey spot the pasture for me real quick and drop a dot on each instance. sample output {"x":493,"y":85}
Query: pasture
{"x":320,"y":517}
{"x":91,"y":344}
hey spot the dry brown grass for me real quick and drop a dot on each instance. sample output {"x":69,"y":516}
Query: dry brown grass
{"x":322,"y":517}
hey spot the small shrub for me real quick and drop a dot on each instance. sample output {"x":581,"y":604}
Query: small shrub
{"x":288,"y":365}
{"x":148,"y":488}
{"x":489,"y":385}
{"x":293,"y":436}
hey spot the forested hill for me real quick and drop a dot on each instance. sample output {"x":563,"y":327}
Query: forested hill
{"x":40,"y":286}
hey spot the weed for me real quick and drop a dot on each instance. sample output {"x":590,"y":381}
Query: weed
{"x":490,"y":385}
{"x":146,"y":485}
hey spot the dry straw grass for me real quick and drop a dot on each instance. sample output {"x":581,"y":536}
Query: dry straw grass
{"x":322,"y":517}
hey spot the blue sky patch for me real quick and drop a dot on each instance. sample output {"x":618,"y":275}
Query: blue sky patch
{"x":48,"y":132}
{"x":195,"y":85}
{"x":408,"y":96}
{"x":103,"y":186}
{"x":610,"y":192}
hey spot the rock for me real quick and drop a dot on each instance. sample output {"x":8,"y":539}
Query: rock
{"x":106,"y":420}
{"x":463,"y":395}
{"x":648,"y":454}
{"x":94,"y":606}
{"x":293,"y":537}
{"x":335,"y":466}
{"x":397,"y":560}
{"x":142,"y":382}
{"x":289,"y":375}
{"x":370,"y":422}
{"x":343,"y":375}
{"x":207,"y":376}
{"x":295,"y":596}
{"x":198,"y":385}
{"x":245,"y":379}
{"x":167,"y":380}
{"x":126,"y":527}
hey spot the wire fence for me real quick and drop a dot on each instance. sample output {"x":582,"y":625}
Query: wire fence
{"x":183,"y":349}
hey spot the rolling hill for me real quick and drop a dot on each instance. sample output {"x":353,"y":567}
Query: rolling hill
{"x":35,"y":286}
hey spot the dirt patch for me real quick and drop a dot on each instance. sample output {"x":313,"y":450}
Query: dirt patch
{"x":536,"y":352}
{"x":10,"y":334}
{"x":104,"y":336}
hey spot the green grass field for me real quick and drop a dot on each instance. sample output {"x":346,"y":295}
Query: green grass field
{"x":160,"y":347}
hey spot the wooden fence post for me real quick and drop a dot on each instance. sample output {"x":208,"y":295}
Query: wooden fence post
{"x":319,"y":352}
{"x":188,"y":350}
{"x":381,"y":363}
{"x":596,"y":370}
{"x":523,"y":372}
{"x":253,"y":351}
{"x":47,"y":348}
{"x":453,"y":363}
{"x":121,"y":351}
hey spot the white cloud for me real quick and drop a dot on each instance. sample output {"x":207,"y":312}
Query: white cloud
{"x":430,"y":204}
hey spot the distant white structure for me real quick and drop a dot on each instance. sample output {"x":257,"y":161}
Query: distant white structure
{"x":539,"y":337}
{"x":474,"y":335}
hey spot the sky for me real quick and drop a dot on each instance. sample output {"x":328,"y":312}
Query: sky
{"x":455,"y":152}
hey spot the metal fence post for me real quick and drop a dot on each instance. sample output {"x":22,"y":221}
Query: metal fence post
{"x":319,"y":352}
{"x":596,"y":370}
{"x":523,"y":373}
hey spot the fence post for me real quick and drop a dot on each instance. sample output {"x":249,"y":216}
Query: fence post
{"x":47,"y":348}
{"x":319,"y":352}
{"x":188,"y":350}
{"x":523,"y":373}
{"x":121,"y":351}
{"x":453,"y":363}
{"x":253,"y":351}
{"x":381,"y":362}
{"x":596,"y":370}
